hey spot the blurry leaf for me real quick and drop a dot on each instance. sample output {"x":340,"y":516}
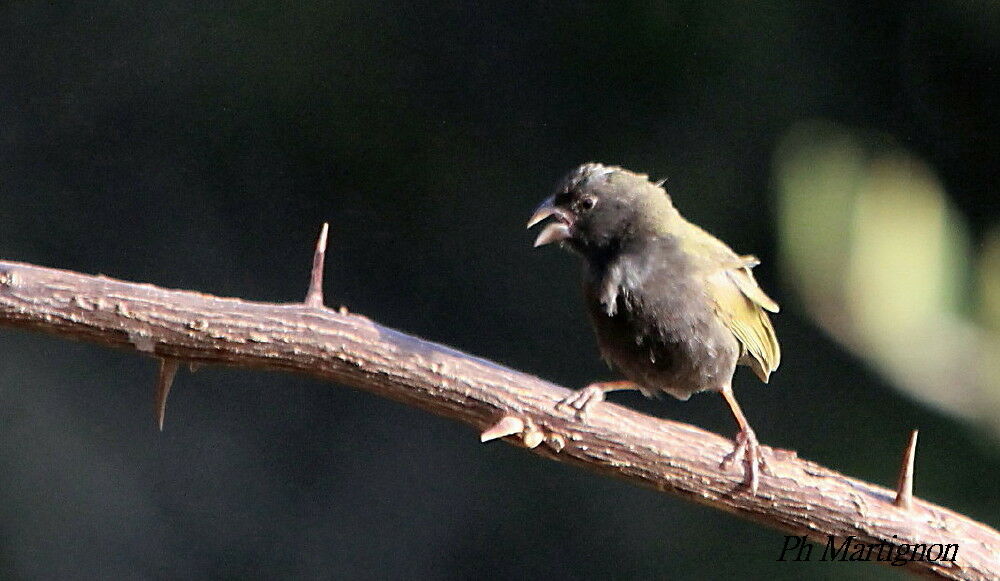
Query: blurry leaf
{"x":882,"y":261}
{"x":908,"y":251}
{"x":989,"y":281}
{"x":819,"y":169}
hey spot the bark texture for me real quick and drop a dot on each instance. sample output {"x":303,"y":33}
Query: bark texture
{"x":800,"y":497}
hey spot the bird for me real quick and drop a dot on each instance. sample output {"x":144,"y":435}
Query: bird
{"x":674,"y":309}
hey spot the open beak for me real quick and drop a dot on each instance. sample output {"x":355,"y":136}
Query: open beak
{"x":556,"y":231}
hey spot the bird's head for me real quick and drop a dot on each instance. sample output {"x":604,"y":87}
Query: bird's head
{"x":596,"y":208}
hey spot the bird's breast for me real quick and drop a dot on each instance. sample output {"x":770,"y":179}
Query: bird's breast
{"x":660,"y":331}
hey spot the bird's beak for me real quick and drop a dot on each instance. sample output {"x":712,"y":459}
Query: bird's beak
{"x":555,"y":231}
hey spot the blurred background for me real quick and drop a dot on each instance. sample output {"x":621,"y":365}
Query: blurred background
{"x":852,"y":146}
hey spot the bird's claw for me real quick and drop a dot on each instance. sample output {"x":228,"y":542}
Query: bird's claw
{"x":582,"y":400}
{"x":748,"y":451}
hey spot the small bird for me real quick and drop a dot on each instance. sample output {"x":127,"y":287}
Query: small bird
{"x":673,"y":307}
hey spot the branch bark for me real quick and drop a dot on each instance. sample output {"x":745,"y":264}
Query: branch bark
{"x":799,"y":497}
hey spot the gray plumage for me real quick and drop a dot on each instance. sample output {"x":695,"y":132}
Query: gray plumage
{"x":674,"y":309}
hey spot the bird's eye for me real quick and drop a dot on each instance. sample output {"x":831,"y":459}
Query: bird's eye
{"x":588,"y":203}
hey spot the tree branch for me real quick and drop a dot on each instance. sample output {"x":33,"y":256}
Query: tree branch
{"x":799,"y":497}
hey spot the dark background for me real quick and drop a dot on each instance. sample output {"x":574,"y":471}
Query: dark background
{"x":201,"y":148}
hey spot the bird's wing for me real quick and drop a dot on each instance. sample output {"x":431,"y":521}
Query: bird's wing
{"x":738,"y":300}
{"x":743,"y":278}
{"x":740,"y":304}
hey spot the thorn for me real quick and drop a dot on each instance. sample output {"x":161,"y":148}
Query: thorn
{"x":904,"y":484}
{"x":507,"y":426}
{"x":165,"y":378}
{"x":314,"y":297}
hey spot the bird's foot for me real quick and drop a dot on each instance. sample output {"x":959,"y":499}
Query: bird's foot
{"x":747,"y":451}
{"x":583,"y":399}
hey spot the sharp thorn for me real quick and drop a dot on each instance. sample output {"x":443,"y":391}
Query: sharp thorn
{"x":904,"y":484}
{"x":507,"y":426}
{"x":164,"y":379}
{"x":314,"y":297}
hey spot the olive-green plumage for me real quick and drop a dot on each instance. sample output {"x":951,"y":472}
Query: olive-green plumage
{"x":674,"y":309}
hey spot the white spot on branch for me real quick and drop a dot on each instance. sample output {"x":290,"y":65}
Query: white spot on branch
{"x":81,"y":303}
{"x":8,"y":278}
{"x":532,"y":437}
{"x":142,"y":341}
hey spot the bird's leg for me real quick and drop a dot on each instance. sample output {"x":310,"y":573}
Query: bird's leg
{"x":746,"y":449}
{"x":583,"y":399}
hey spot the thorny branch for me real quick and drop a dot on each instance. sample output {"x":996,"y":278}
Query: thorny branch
{"x":798,"y":496}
